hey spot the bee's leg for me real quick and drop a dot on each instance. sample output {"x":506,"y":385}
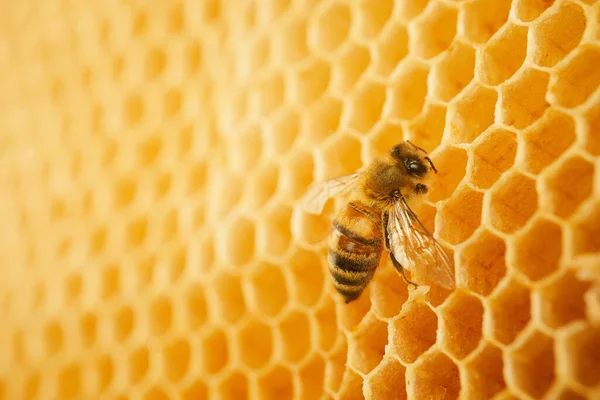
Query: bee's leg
{"x":396,"y":263}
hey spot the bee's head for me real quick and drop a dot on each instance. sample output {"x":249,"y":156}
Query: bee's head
{"x":415,"y":162}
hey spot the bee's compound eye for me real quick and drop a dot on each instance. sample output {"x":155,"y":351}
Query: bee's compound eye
{"x":414,"y":166}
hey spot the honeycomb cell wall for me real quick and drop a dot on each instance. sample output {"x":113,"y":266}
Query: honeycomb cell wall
{"x":152,"y":162}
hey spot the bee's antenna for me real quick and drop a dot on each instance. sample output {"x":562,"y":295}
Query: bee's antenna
{"x":431,"y":163}
{"x":417,"y":147}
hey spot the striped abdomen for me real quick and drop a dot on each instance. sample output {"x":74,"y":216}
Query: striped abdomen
{"x":355,"y":247}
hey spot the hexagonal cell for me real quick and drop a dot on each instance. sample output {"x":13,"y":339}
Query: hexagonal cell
{"x":69,"y":382}
{"x":390,"y":47}
{"x":366,"y":345}
{"x":310,"y":229}
{"x":413,"y":331}
{"x":234,"y":387}
{"x":435,"y":376}
{"x":330,"y":28}
{"x":133,"y":110}
{"x":309,"y":82}
{"x":88,"y":326}
{"x":228,"y":297}
{"x":388,"y":292}
{"x":557,"y":33}
{"x":267,"y":290}
{"x":340,"y":155}
{"x":382,"y":138}
{"x":267,"y":94}
{"x":351,"y":387}
{"x":591,"y":126}
{"x":537,"y":250}
{"x":460,"y":216}
{"x":53,"y":338}
{"x":320,"y":121}
{"x":567,"y":186}
{"x":586,"y":229}
{"x":364,"y":107}
{"x":161,"y":315}
{"x":531,"y":364}
{"x":295,"y":332}
{"x":451,"y":163}
{"x":544,"y":141}
{"x":244,"y":150}
{"x":155,"y":393}
{"x":335,"y":366}
{"x":427,"y":128}
{"x":371,"y":17}
{"x":426,"y":42}
{"x":512,"y":202}
{"x":561,"y":301}
{"x":528,"y":10}
{"x":215,"y":351}
{"x":471,"y":113}
{"x":196,"y":307}
{"x":386,"y":382}
{"x":124,"y":193}
{"x":196,"y":391}
{"x":307,"y":276}
{"x":255,"y":344}
{"x":407,"y":90}
{"x":453,"y":72}
{"x":575,"y":81}
{"x":224,"y":196}
{"x":462,"y":317}
{"x":311,"y":377}
{"x":508,"y":312}
{"x":484,"y":377}
{"x":176,"y":360}
{"x":523,"y":98}
{"x":289,"y":45}
{"x":104,"y":372}
{"x":276,"y":384}
{"x":274,"y":234}
{"x":502,"y":55}
{"x":235,"y":241}
{"x":124,"y":321}
{"x":327,"y":330}
{"x":580,"y":353}
{"x":482,"y":262}
{"x":480,"y":19}
{"x":350,"y":315}
{"x":261,"y":187}
{"x":281,"y":131}
{"x":255,"y":56}
{"x":348,"y":68}
{"x":136,"y":232}
{"x":406,"y":10}
{"x":493,"y":153}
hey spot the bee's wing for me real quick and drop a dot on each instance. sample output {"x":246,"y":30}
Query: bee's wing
{"x":319,"y":192}
{"x":416,"y":249}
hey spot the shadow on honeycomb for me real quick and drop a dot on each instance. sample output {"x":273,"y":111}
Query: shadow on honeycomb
{"x":152,"y":245}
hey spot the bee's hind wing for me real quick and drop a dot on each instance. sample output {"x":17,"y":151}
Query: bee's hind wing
{"x":319,"y":192}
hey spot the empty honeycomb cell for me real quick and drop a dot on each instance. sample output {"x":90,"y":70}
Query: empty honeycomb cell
{"x":502,"y":55}
{"x":529,"y":10}
{"x":88,"y":326}
{"x":371,"y":18}
{"x":307,"y":273}
{"x":273,"y":232}
{"x":104,"y":373}
{"x":580,"y":350}
{"x":543,"y":142}
{"x":176,"y":359}
{"x":235,"y":241}
{"x":388,"y":292}
{"x":155,"y":393}
{"x":460,"y":215}
{"x":512,"y":202}
{"x":480,"y":19}
{"x":413,"y":332}
{"x":245,"y":149}
{"x":255,"y":344}
{"x":364,"y":107}
{"x":267,"y":289}
{"x":276,"y":384}
{"x":330,"y":28}
{"x":215,"y":350}
{"x":295,"y":331}
{"x":409,"y":9}
{"x":73,"y":288}
{"x":234,"y":387}
{"x":451,"y":163}
{"x":461,"y":320}
{"x":124,"y":193}
{"x":567,"y":186}
{"x":196,"y":391}
{"x":230,"y":303}
{"x":523,"y":98}
{"x":267,"y":94}
{"x":327,"y":332}
{"x":309,"y":82}
{"x":575,"y":81}
{"x":261,"y":187}
{"x":334,"y":367}
{"x":124,"y":323}
{"x":428,"y":127}
{"x":586,"y":229}
{"x":390,"y":47}
{"x":136,"y":232}
{"x":556,"y":34}
{"x":139,"y":364}
{"x":509,"y":311}
{"x":562,"y":300}
{"x":133,"y":110}
{"x":591,"y":125}
{"x":338,"y":156}
{"x":53,"y":338}
{"x":282,"y":131}
{"x":351,"y":314}
{"x":382,"y":138}
{"x":435,"y":376}
{"x":537,"y":250}
{"x":471,"y":113}
{"x":427,"y":43}
{"x":69,"y":382}
{"x":483,"y":373}
{"x":310,"y":229}
{"x":351,"y":387}
{"x":172,"y":103}
{"x":255,"y":56}
{"x":482,"y":262}
{"x":531,"y":364}
{"x":493,"y":153}
{"x":321,"y":120}
{"x":110,"y":284}
{"x":290,"y":45}
{"x":348,"y":69}
{"x":386,"y":382}
{"x":366,"y":345}
{"x":407,"y":91}
{"x":311,"y":378}
{"x":161,"y":315}
{"x":453,"y":72}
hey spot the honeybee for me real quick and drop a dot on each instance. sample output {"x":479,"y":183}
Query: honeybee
{"x":377,"y":215}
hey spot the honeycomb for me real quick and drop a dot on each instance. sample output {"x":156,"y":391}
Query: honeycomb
{"x":152,"y":242}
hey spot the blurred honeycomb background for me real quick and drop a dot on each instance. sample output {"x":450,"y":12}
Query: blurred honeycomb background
{"x":152,"y":158}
